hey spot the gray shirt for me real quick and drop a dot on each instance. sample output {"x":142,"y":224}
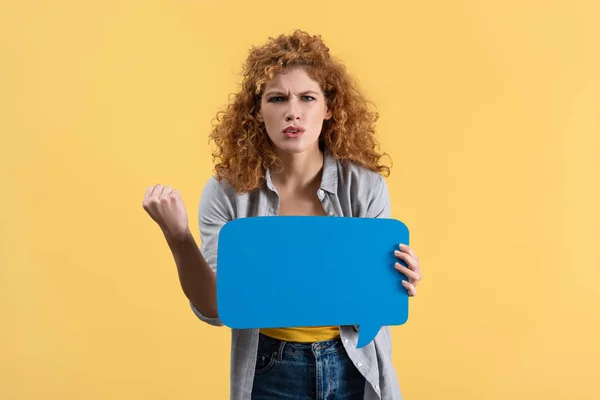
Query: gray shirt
{"x":347,"y":190}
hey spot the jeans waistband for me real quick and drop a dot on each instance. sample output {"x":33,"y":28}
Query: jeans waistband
{"x":298,"y":348}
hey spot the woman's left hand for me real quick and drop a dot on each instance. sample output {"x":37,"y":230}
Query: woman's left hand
{"x":413,"y":272}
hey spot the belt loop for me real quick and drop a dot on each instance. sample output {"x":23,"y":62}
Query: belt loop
{"x":279,"y":354}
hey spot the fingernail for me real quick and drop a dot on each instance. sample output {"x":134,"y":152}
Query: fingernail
{"x":402,"y":245}
{"x":396,"y":252}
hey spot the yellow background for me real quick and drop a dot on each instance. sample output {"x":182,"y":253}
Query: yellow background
{"x":489,"y":109}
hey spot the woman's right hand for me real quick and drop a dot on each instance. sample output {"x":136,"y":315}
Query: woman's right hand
{"x":165,"y":205}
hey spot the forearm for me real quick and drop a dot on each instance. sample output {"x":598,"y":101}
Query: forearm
{"x":197,"y":279}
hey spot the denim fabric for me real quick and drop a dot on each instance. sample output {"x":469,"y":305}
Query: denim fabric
{"x":305,"y":371}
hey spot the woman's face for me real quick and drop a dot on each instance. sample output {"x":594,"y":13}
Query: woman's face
{"x":292,"y":98}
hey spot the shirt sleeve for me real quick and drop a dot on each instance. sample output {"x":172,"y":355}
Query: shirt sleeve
{"x":378,"y":198}
{"x":378,"y":204}
{"x":214,"y":211}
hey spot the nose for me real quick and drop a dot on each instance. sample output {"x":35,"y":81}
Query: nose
{"x":292,"y":112}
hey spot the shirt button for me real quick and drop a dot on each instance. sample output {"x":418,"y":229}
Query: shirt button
{"x":376,"y":387}
{"x":330,"y":213}
{"x":345,"y":340}
{"x":359,"y":364}
{"x":321,"y":194}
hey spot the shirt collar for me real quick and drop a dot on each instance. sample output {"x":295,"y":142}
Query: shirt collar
{"x":329,"y":179}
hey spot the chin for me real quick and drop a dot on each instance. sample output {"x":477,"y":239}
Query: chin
{"x":294,"y":148}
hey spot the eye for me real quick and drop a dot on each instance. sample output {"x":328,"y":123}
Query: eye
{"x":310,"y":97}
{"x":272,"y":99}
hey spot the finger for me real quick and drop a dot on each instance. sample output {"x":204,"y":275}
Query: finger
{"x":410,"y":288}
{"x":166,"y":191}
{"x":177,"y":196}
{"x":410,"y":251}
{"x":147,"y":195}
{"x":157,"y":190}
{"x":412,"y":263}
{"x":411,"y":275}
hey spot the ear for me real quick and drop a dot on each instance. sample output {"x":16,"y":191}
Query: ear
{"x":328,"y":114}
{"x":259,"y":117}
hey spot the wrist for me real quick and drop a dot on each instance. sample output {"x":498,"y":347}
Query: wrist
{"x":177,"y":238}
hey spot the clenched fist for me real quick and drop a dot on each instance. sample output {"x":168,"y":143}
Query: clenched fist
{"x":165,"y":205}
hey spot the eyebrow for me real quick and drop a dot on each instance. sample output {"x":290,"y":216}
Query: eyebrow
{"x":280,"y":92}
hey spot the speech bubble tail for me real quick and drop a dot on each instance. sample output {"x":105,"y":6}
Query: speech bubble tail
{"x":366,"y":333}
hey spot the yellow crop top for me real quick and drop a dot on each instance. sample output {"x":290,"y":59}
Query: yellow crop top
{"x":304,"y":334}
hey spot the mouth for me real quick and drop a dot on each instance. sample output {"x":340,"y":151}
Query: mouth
{"x":293,"y":131}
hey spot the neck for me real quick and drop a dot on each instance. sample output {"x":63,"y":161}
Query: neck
{"x":301,"y":172}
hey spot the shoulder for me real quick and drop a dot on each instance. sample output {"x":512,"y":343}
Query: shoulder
{"x":218,"y":199}
{"x":365,"y":190}
{"x":218,"y":190}
{"x":360,"y":180}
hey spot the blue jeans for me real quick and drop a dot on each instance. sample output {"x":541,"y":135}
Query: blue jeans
{"x":305,"y":371}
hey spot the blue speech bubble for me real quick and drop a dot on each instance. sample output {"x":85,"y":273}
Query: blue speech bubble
{"x":294,"y":271}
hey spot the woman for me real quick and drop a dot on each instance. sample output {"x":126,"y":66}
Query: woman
{"x":297,"y":140}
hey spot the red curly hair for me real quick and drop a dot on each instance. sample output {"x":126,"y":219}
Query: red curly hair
{"x":244,"y":148}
